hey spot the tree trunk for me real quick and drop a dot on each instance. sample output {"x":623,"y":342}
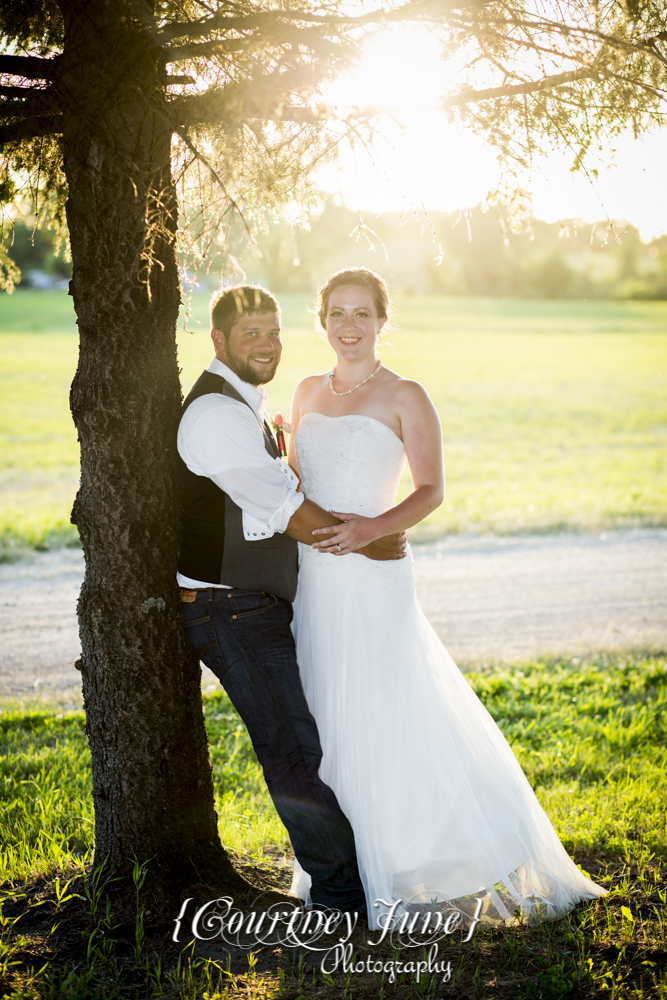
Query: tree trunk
{"x":152,"y":780}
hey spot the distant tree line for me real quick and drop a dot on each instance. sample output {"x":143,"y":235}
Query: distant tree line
{"x":32,"y":250}
{"x":481,"y":255}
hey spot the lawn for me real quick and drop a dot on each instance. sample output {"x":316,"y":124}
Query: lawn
{"x":591,"y":737}
{"x":554,"y":416}
{"x":554,"y":412}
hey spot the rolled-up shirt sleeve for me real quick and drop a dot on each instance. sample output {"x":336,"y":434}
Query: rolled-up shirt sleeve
{"x":221,"y":438}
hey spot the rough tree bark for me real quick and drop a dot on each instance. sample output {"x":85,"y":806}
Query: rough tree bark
{"x":152,"y":780}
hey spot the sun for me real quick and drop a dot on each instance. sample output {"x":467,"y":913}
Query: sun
{"x":416,"y":157}
{"x":401,"y":69}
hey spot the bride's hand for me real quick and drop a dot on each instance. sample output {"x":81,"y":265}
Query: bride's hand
{"x":354,"y":534}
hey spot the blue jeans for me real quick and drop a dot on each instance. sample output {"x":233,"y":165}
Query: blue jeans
{"x":244,"y":637}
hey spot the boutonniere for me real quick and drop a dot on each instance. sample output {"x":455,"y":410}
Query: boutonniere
{"x":279,"y":427}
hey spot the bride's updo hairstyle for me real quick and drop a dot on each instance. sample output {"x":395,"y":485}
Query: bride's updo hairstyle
{"x":361,"y":276}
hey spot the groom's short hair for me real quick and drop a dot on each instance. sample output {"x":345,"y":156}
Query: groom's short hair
{"x":228,"y":304}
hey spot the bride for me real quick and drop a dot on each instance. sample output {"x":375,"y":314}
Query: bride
{"x":440,"y":808}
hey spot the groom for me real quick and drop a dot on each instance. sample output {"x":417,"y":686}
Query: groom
{"x":241,"y":519}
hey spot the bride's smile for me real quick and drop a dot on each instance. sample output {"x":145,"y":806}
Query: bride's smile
{"x":353,"y":326}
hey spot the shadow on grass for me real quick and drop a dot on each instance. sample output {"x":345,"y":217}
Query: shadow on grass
{"x":591,"y":738}
{"x":55,"y":945}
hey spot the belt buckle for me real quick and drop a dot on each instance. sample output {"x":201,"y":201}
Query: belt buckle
{"x":188,"y":596}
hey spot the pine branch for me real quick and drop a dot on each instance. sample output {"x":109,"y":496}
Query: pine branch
{"x":280,"y":34}
{"x":24,"y":128}
{"x":199,"y":50}
{"x":299,"y":113}
{"x":420,"y":10}
{"x":29,"y":67}
{"x":32,"y":112}
{"x":17,"y":91}
{"x":209,"y":109}
{"x":578,"y":32}
{"x":266,"y":20}
{"x":217,"y":107}
{"x":546,"y":83}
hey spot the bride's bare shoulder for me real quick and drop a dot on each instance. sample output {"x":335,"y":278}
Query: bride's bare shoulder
{"x":406,"y":390}
{"x":306,"y":394}
{"x":309,"y":384}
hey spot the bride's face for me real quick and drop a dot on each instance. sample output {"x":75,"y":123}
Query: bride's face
{"x":352,"y":322}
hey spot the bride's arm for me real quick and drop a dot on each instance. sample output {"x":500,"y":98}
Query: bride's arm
{"x":295,"y":415}
{"x":303,"y":524}
{"x":422,"y":438}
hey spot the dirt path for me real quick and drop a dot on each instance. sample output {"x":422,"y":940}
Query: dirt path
{"x":488,"y":599}
{"x":509,"y":598}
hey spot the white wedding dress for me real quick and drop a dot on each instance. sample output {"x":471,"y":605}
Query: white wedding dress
{"x":440,"y":808}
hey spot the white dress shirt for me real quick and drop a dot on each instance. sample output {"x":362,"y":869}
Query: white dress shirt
{"x":223,"y":439}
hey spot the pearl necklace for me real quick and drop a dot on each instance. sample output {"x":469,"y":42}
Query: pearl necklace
{"x":348,"y":391}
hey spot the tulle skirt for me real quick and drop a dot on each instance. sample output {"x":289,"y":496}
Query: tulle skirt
{"x":441,"y":810}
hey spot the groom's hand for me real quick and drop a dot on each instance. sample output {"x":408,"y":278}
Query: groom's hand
{"x":309,"y":517}
{"x":389,"y":547}
{"x":359,"y":534}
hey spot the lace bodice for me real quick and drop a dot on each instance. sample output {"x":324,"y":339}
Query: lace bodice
{"x":351,"y":463}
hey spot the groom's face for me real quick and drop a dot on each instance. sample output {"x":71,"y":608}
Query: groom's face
{"x":252,"y":348}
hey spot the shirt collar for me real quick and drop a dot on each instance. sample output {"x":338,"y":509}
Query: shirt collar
{"x":255,"y":396}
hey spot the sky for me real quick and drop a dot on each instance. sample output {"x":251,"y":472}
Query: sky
{"x":438,"y":165}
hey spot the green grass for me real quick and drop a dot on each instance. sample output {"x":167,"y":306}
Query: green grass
{"x":554,"y":412}
{"x":46,"y":808}
{"x":591,"y":737}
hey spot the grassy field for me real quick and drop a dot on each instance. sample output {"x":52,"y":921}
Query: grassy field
{"x":591,"y":737}
{"x":554,"y":412}
{"x":554,"y":416}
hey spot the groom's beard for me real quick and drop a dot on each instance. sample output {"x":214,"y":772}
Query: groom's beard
{"x":242,"y":367}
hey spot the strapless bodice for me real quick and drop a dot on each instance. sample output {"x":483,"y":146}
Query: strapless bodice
{"x":351,"y":463}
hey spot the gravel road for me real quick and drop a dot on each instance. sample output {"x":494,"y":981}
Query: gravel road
{"x":490,"y":598}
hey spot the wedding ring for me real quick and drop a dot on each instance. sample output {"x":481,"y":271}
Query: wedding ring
{"x":338,"y":546}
